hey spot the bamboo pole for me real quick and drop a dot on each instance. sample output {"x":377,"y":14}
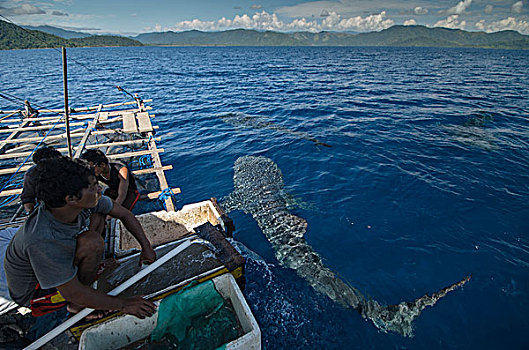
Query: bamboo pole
{"x":46,"y":120}
{"x":38,"y":128}
{"x":156,"y":170}
{"x":66,"y":112}
{"x":63,"y":150}
{"x":91,"y":125}
{"x":83,"y":109}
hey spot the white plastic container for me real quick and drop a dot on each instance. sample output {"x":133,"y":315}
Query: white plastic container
{"x":124,"y":330}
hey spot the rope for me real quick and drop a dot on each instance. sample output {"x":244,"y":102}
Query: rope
{"x":11,"y":98}
{"x":125,"y":92}
{"x":25,"y":160}
{"x":166,"y":194}
{"x":145,"y":161}
{"x":8,"y":200}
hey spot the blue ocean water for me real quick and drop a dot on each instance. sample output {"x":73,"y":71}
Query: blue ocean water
{"x":427,"y":179}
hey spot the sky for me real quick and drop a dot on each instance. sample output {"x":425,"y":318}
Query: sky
{"x":131,"y":17}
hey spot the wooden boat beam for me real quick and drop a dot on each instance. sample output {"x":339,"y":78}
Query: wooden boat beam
{"x":14,"y":146}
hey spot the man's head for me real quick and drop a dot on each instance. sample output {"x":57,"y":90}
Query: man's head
{"x":45,"y":152}
{"x":96,"y":159}
{"x":62,"y":181}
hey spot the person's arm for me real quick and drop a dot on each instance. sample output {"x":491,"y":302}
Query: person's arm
{"x":123,"y":188}
{"x":76,"y":292}
{"x":133,"y":225}
{"x":28,"y":192}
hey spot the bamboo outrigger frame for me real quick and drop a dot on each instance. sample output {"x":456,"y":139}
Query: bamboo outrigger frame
{"x":110,"y":127}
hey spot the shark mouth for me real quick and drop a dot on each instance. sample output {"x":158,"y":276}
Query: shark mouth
{"x":258,"y":191}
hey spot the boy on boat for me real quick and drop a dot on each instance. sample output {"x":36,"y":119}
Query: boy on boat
{"x":119,"y":179}
{"x":54,"y":257}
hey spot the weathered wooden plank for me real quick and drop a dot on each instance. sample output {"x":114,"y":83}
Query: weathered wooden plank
{"x":23,"y":169}
{"x":7,"y":193}
{"x":3,"y":143}
{"x":153,"y":170}
{"x":119,"y":143}
{"x":84,"y":109}
{"x":154,"y":195}
{"x":77,"y":133}
{"x":64,"y":151}
{"x":132,"y":154}
{"x":129,"y":123}
{"x":91,"y":125}
{"x":157,"y":162}
{"x":144,"y":122}
{"x":37,"y":128}
{"x":75,"y":116}
{"x":28,"y":165}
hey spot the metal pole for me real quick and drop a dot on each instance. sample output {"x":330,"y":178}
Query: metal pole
{"x":66,"y":108}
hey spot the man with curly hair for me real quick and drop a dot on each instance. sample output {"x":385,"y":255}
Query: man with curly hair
{"x":57,"y":252}
{"x":29,"y":192}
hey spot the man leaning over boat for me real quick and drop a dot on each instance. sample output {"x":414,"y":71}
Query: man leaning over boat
{"x":54,"y":257}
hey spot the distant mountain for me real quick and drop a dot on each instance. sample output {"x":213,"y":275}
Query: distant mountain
{"x":104,"y":40}
{"x":62,"y":33}
{"x":404,"y":36}
{"x":14,"y":37}
{"x":235,"y":37}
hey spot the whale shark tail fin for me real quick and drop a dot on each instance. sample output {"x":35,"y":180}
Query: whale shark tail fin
{"x":399,"y":317}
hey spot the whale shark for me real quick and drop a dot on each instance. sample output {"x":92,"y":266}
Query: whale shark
{"x":258,"y":188}
{"x":476,"y":131}
{"x":241,"y":120}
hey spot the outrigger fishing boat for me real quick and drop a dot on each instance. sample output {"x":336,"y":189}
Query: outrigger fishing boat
{"x":197,"y":266}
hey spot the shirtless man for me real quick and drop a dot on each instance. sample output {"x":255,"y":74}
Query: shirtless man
{"x":119,"y":179}
{"x":57,"y":252}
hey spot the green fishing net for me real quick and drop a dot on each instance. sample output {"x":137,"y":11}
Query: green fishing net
{"x":196,"y":317}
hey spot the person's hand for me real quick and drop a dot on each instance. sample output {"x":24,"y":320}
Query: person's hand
{"x":147,"y":256}
{"x":137,"y":306}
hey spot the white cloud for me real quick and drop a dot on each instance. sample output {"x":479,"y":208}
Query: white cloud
{"x":420,"y":10}
{"x":265,"y":21}
{"x":459,"y":8}
{"x":410,"y":22}
{"x":480,"y":25}
{"x":488,"y":9}
{"x":517,"y":7}
{"x":451,"y":22}
{"x":24,"y":9}
{"x":509,"y":23}
{"x":303,"y":25}
{"x":256,"y":7}
{"x":370,"y":23}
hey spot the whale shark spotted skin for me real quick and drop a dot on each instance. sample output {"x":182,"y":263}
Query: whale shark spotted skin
{"x":259,"y":122}
{"x":258,"y":187}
